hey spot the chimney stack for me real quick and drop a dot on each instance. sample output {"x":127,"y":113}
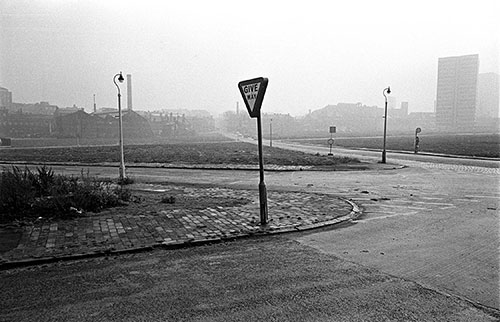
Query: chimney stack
{"x":129,"y":92}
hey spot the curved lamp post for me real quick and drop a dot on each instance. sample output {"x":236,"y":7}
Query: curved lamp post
{"x":122,"y":162}
{"x":388,"y":91}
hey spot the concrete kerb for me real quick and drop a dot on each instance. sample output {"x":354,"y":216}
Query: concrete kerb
{"x":181,"y":244}
{"x":432,"y":154}
{"x":238,"y":167}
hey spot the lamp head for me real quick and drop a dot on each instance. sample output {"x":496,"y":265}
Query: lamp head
{"x":388,"y":89}
{"x":120,"y":78}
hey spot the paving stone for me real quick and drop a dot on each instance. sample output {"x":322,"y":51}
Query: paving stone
{"x":287,"y":210}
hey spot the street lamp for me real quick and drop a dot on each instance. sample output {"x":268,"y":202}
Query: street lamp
{"x":388,"y":91}
{"x":122,"y":162}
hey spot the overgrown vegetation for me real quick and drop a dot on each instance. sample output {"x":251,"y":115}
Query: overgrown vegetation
{"x":26,"y":194}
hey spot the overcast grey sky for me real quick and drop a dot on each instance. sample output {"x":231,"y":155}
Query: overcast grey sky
{"x":192,"y":54}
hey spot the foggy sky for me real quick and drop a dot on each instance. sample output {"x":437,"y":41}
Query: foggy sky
{"x":192,"y":54}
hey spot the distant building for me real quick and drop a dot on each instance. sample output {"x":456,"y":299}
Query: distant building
{"x":179,"y":122}
{"x":392,"y":102}
{"x":5,"y":98}
{"x":456,"y":93}
{"x":347,"y":117}
{"x":129,"y":92}
{"x":24,"y":125}
{"x":404,"y":109}
{"x":42,"y":108}
{"x":68,"y":110}
{"x":134,"y":125}
{"x":487,"y":95}
{"x":424,"y":120}
{"x":72,"y":123}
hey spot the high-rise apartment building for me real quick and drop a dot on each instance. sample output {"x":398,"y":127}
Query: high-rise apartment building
{"x":488,"y":96}
{"x":456,"y":93}
{"x":129,"y":92}
{"x":5,"y":98}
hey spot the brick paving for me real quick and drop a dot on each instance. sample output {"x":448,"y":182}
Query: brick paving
{"x":114,"y":232}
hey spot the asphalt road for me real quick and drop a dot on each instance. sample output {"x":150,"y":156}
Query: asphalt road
{"x":435,"y":222}
{"x":437,"y":227}
{"x":263,"y":279}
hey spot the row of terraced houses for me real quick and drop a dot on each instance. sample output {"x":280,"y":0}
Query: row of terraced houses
{"x":20,"y":120}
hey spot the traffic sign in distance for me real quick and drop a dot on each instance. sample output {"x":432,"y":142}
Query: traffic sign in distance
{"x":253,"y":91}
{"x":330,"y":141}
{"x":333,"y":129}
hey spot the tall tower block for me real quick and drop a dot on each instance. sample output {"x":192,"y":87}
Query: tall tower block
{"x":456,"y":93}
{"x":129,"y":92}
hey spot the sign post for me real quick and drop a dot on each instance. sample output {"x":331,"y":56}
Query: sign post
{"x":253,"y":91}
{"x":330,"y":142}
{"x":333,"y":129}
{"x":417,"y":139}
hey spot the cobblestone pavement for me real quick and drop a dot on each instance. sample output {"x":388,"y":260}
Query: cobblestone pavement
{"x":454,"y":167}
{"x":114,"y":231}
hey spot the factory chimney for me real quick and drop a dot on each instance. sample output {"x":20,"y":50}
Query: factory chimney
{"x":129,"y":92}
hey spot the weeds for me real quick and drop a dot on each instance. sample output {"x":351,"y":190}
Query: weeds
{"x":168,"y":199}
{"x":29,"y":194}
{"x":125,"y":181}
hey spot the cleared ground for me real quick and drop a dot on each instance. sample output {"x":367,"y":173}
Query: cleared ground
{"x":479,"y":145}
{"x":185,"y":153}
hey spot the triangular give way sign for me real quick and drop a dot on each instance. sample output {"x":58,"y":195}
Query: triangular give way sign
{"x":253,"y":91}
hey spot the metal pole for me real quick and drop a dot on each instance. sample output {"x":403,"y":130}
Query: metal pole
{"x":388,"y":89}
{"x":385,"y":133}
{"x":120,"y":129}
{"x":262,"y":185}
{"x":417,"y":140}
{"x":331,"y":137}
{"x":122,"y":159}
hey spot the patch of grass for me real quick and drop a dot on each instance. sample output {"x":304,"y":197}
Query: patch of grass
{"x":479,"y":145}
{"x":28,"y":194}
{"x":186,"y":153}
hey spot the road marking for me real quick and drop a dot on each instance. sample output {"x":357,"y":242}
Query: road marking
{"x":434,"y":203}
{"x":475,"y":196}
{"x":432,"y":198}
{"x":381,"y":212}
{"x":388,"y":216}
{"x":401,"y":206}
{"x":418,"y":208}
{"x":468,"y":200}
{"x":448,"y":207}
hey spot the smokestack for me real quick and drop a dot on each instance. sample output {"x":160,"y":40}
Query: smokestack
{"x":129,"y":92}
{"x":95,"y":106}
